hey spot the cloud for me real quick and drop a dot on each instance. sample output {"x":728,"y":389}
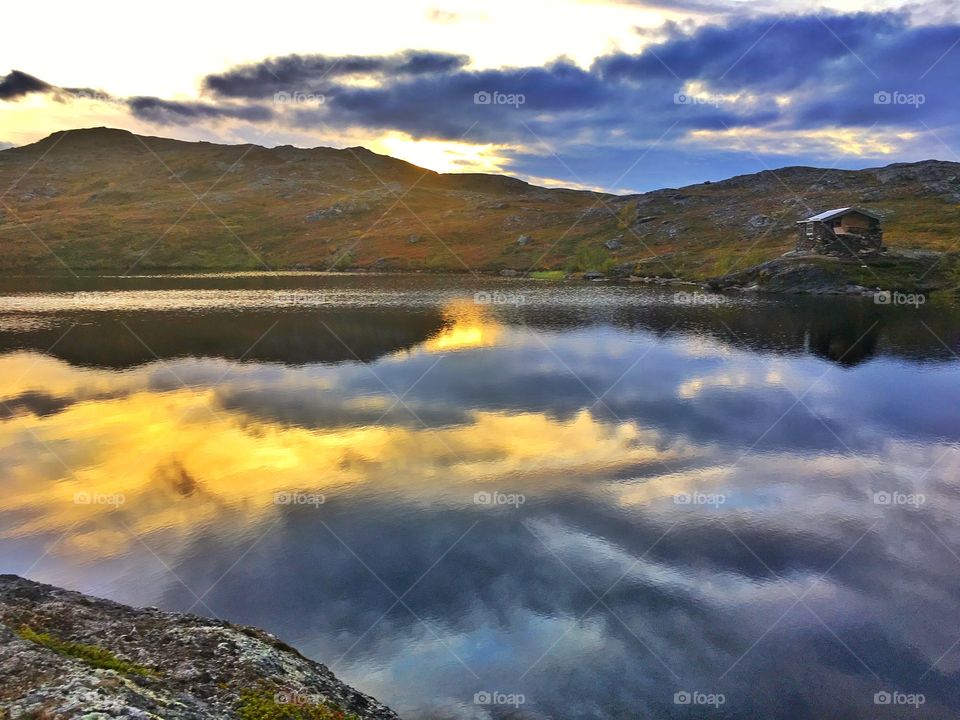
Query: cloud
{"x":17,"y":84}
{"x":168,"y":112}
{"x":779,"y":74}
{"x":314,"y":73}
{"x":705,"y":7}
{"x":6,"y":145}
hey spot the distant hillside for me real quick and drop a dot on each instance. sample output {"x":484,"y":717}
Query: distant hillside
{"x":108,"y":200}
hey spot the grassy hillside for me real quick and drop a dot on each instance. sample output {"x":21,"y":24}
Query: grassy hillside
{"x":107,"y":200}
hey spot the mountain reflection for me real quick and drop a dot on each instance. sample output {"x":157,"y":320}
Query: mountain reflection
{"x":309,"y":325}
{"x":300,"y":469}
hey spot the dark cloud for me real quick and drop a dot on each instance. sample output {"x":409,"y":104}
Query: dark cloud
{"x":169,"y":112}
{"x":315,"y":73}
{"x":832,"y":67}
{"x":17,"y":84}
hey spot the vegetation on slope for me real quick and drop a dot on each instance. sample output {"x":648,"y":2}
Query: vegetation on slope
{"x":107,"y":200}
{"x":91,"y":654}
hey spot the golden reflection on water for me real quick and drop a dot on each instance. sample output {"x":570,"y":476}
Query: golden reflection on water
{"x":468,"y":325}
{"x":180,"y":459}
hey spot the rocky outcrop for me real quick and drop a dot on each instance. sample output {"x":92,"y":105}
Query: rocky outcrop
{"x":812,"y":274}
{"x":778,"y":276}
{"x":67,"y":655}
{"x":339,"y":209}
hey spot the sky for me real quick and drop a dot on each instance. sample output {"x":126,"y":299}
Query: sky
{"x":616,"y":95}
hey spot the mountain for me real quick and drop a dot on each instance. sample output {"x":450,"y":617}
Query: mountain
{"x":108,"y":200}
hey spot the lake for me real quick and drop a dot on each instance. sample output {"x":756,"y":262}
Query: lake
{"x":491,"y":498}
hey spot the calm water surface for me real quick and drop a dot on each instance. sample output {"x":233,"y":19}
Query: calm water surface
{"x":587,"y":498}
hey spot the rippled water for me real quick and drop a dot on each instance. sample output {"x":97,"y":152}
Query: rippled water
{"x":463,"y":495}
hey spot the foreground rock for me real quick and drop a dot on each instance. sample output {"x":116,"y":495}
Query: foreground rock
{"x":67,"y":655}
{"x":902,"y":270}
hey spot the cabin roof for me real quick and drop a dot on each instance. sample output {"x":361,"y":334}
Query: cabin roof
{"x":838,"y":212}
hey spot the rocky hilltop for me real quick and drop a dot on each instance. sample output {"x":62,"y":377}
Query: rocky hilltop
{"x":67,"y":655}
{"x":103,"y":200}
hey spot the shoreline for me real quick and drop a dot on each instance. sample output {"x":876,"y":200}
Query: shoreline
{"x":894,"y":270}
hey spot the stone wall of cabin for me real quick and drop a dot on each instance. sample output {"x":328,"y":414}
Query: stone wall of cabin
{"x":818,"y":237}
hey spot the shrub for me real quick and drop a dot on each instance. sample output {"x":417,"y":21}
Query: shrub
{"x":262,"y":704}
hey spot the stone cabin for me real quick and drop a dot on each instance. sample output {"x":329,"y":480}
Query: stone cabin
{"x":845,"y":231}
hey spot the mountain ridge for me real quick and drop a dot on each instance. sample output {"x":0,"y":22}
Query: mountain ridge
{"x":106,"y":199}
